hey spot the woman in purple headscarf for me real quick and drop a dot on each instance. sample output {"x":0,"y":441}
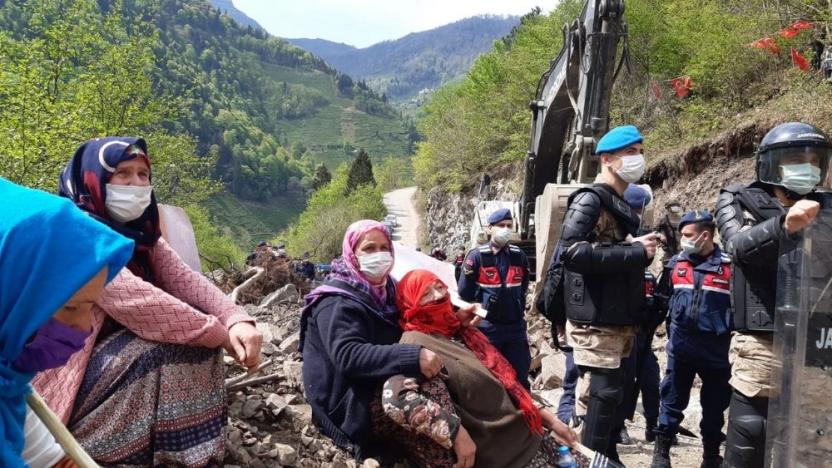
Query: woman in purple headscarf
{"x":350,"y":342}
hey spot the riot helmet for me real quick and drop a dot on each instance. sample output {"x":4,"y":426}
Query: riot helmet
{"x":794,"y":156}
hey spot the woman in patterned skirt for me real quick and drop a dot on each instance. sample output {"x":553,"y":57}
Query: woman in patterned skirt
{"x":147,"y":389}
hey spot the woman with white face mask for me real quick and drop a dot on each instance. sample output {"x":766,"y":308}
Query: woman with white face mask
{"x":159,"y":325}
{"x":350,"y":342}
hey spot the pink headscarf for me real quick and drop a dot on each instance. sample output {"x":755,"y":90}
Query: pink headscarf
{"x":351,"y":238}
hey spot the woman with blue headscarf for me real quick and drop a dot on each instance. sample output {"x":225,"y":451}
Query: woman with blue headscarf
{"x":54,"y":263}
{"x":148,"y":387}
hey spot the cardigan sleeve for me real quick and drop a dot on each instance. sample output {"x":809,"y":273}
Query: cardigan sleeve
{"x":193,"y":288}
{"x":153,"y":314}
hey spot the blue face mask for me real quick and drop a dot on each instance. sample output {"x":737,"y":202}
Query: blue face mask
{"x":800,"y":178}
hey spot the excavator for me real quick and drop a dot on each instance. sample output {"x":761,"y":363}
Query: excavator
{"x":570,"y":113}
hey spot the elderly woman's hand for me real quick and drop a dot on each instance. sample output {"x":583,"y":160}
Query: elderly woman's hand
{"x":429,"y":363}
{"x":245,"y":341}
{"x":465,"y":449}
{"x":563,"y":433}
{"x":467,"y":316}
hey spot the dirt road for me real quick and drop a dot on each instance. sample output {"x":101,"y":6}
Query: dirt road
{"x":400,"y":203}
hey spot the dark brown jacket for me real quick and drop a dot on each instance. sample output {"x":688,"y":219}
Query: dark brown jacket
{"x":497,"y":427}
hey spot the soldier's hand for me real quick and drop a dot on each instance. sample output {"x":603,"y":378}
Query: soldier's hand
{"x":429,"y":363}
{"x":800,"y":215}
{"x":649,"y":241}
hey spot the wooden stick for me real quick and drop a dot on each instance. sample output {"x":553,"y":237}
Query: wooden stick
{"x":257,"y":271}
{"x":244,"y":376}
{"x":254,"y":381}
{"x":71,"y":446}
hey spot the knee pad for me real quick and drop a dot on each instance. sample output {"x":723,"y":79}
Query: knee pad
{"x":749,"y":427}
{"x":606,"y":385}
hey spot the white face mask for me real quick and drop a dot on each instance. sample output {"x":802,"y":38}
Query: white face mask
{"x":501,"y":236}
{"x":126,"y":203}
{"x":800,"y":178}
{"x":632,"y":168}
{"x":693,"y":247}
{"x":375,"y":266}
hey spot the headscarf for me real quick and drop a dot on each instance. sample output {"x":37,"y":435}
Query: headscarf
{"x":49,"y":249}
{"x":438,"y":318}
{"x":381,"y":298}
{"x":84,"y":180}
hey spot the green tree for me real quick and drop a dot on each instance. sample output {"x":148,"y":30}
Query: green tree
{"x":322,"y":177}
{"x":361,"y":172}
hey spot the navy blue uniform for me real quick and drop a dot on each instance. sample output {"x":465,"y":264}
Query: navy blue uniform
{"x":498,"y":279}
{"x":699,"y":338}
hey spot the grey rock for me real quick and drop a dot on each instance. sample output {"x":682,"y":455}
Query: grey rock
{"x":553,"y":367}
{"x":290,"y":344}
{"x":293,"y":372}
{"x":251,"y":408}
{"x":288,"y":293}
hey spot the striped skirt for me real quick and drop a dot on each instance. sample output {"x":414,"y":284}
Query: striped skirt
{"x":144,"y":403}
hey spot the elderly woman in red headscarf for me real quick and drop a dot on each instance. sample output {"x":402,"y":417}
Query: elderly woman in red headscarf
{"x":502,"y":426}
{"x":147,"y":389}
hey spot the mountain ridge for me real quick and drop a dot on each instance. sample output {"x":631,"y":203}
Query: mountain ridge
{"x":402,"y":67}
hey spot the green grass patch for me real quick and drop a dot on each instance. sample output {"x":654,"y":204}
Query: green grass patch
{"x":247,"y":223}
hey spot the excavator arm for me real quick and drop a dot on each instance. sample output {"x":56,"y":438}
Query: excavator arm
{"x":571,"y":108}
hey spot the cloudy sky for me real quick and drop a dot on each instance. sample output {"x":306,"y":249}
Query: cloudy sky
{"x":364,"y":22}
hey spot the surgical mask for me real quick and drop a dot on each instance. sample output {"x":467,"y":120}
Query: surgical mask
{"x":501,"y":236}
{"x":127,"y":203}
{"x":800,"y":178}
{"x":693,"y":247}
{"x":632,"y":168}
{"x":375,"y":265}
{"x":53,"y":345}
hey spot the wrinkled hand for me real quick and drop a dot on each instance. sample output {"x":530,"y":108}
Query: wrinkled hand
{"x":244,"y":342}
{"x":467,"y":316}
{"x":429,"y":363}
{"x":800,"y":215}
{"x":465,"y":449}
{"x":560,"y":431}
{"x":649,"y":241}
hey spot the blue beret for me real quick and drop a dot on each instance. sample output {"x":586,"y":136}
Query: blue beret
{"x":695,"y":216}
{"x":637,"y":197}
{"x":499,"y":215}
{"x":618,"y":138}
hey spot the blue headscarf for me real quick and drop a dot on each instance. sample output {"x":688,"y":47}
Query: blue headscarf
{"x":84,"y":180}
{"x":49,"y":249}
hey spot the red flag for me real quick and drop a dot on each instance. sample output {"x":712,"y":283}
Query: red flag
{"x":682,"y":86}
{"x":788,"y":33}
{"x":799,"y":60}
{"x":801,"y":25}
{"x":766,"y":43}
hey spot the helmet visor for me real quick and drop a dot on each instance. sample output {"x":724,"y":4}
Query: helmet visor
{"x":772,"y":163}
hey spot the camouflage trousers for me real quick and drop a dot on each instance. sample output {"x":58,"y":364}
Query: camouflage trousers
{"x":752,"y":364}
{"x":600,"y":346}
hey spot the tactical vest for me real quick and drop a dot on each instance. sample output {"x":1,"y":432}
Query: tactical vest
{"x":701,"y":306}
{"x":502,"y":297}
{"x":610,"y":299}
{"x":754,"y":293}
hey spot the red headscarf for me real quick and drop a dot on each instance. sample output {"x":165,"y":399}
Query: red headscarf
{"x":438,"y":318}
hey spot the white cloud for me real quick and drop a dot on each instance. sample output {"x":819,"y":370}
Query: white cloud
{"x":365,"y":22}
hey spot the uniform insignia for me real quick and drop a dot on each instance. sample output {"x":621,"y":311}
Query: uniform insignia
{"x":682,"y":272}
{"x":489,"y":274}
{"x":467,"y":271}
{"x":469,"y":262}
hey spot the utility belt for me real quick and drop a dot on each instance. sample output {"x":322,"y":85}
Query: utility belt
{"x":614,"y":299}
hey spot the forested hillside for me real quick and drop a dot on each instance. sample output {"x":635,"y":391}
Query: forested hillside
{"x":424,"y":60}
{"x":223,"y":105}
{"x":481,"y":124}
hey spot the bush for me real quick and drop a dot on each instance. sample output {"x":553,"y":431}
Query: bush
{"x":215,"y":249}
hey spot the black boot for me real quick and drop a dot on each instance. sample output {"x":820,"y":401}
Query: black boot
{"x":661,"y":452}
{"x":649,"y":434}
{"x":710,"y":455}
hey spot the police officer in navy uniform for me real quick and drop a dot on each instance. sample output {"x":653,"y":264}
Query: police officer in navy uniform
{"x":594,"y":290}
{"x":698,"y":337}
{"x":755,"y":223}
{"x":496,"y":275}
